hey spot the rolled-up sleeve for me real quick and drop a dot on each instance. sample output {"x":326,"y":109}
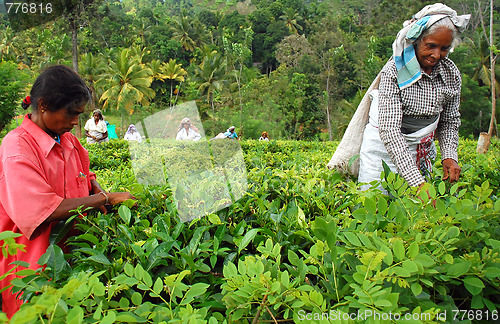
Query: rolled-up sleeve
{"x":26,"y":196}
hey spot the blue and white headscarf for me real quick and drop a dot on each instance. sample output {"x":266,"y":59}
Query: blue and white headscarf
{"x":403,"y":50}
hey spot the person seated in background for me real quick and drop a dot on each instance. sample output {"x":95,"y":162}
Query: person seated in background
{"x":96,"y":129}
{"x":264,"y":137}
{"x":187,"y":131}
{"x":230,"y":133}
{"x":133,"y":134}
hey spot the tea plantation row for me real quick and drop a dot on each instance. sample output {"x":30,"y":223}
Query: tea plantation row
{"x":303,"y":245}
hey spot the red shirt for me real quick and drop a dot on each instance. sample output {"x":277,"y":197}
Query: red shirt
{"x":36,"y":174}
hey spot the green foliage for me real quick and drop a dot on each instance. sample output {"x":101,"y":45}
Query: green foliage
{"x":342,"y":44}
{"x":13,"y":83}
{"x":109,"y":155}
{"x":475,"y":108}
{"x":302,"y":240}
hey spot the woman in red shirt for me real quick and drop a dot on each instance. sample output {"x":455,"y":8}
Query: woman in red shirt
{"x":44,"y":170}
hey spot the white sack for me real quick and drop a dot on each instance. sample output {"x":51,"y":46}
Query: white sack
{"x":350,"y":144}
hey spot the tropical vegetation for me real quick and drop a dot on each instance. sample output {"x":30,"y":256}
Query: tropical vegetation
{"x":296,"y":69}
{"x":302,"y":242}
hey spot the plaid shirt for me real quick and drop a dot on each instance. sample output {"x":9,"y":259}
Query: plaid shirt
{"x":436,"y":94}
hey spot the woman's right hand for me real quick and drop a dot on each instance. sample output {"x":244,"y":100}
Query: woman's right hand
{"x":119,"y":197}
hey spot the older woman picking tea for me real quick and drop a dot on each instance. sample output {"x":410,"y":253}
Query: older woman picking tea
{"x":418,"y":99}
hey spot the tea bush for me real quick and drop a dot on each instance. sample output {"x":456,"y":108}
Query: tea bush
{"x":303,"y":244}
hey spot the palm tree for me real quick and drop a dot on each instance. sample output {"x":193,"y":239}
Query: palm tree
{"x":139,"y":52}
{"x":156,"y":67}
{"x":126,"y":82}
{"x":291,"y":19}
{"x":236,"y":55}
{"x":200,"y":34}
{"x":479,"y":49}
{"x":182,"y":32}
{"x":141,"y":27}
{"x":8,"y":45}
{"x":91,"y":67}
{"x":211,"y":76}
{"x":174,"y":73}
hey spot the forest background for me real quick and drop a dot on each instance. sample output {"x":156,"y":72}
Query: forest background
{"x":296,"y":69}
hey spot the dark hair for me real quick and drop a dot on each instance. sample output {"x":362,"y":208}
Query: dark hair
{"x":60,"y":87}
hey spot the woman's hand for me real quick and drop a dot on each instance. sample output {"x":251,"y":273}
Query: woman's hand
{"x":451,"y":170}
{"x":119,"y":197}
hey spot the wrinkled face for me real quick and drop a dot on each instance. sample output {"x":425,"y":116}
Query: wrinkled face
{"x":186,"y":125}
{"x":433,"y":48}
{"x":97,"y":117}
{"x":63,"y":120}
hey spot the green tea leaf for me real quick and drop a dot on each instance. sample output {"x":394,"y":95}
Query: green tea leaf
{"x":352,"y":238}
{"x":125,"y":214}
{"x":293,"y":258}
{"x":128,"y":269}
{"x":382,"y":205}
{"x":458,"y":269}
{"x":473,"y":284}
{"x":197,"y":289}
{"x":230,"y":270}
{"x":383,"y":303}
{"x":109,"y":318}
{"x":416,"y":288}
{"x":249,"y":236}
{"x":75,"y":315}
{"x":136,"y":299}
{"x":126,"y":318}
{"x":285,"y":279}
{"x":214,"y":219}
{"x":442,"y":188}
{"x":89,"y":237}
{"x":497,"y":204}
{"x":388,"y":259}
{"x":399,"y":250}
{"x":129,"y":203}
{"x":100,"y":258}
{"x":9,"y":234}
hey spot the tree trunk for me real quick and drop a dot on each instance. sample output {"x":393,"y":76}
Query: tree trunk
{"x":74,"y":41}
{"x":213,"y":105}
{"x":483,"y":143}
{"x":238,"y":81}
{"x":493,"y":80}
{"x":330,"y":137}
{"x":484,"y":140}
{"x":171,"y":92}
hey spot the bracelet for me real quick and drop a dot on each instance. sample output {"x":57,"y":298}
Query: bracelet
{"x":107,"y":198}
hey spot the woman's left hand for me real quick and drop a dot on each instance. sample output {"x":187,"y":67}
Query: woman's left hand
{"x":451,"y":170}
